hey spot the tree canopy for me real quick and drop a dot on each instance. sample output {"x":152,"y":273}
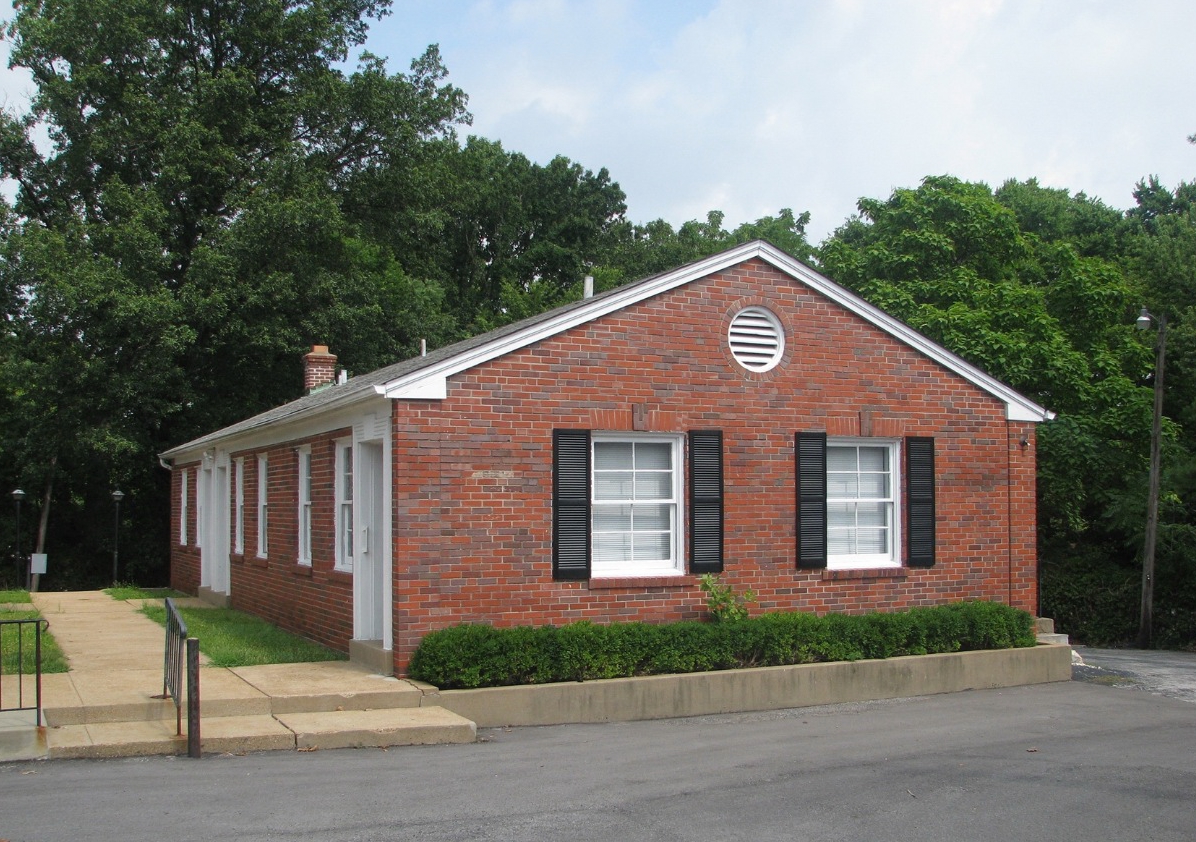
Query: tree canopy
{"x":191,"y":224}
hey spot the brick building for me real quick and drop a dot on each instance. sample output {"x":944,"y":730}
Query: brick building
{"x":741,"y":415}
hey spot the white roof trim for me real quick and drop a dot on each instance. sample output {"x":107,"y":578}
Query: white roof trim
{"x":431,"y":383}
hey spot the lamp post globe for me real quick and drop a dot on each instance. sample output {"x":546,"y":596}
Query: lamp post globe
{"x":22,"y":570}
{"x":117,"y":496}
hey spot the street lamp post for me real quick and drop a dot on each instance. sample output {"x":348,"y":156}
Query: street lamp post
{"x":17,"y":496}
{"x":117,"y":496}
{"x":1146,"y":622}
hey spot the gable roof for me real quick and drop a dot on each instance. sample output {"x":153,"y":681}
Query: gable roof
{"x":426,"y":377}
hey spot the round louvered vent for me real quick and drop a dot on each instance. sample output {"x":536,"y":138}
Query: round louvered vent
{"x":757,"y":339}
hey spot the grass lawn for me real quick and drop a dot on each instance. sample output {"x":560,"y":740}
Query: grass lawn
{"x":124,"y":592}
{"x":235,"y":639}
{"x":13,"y":597}
{"x":10,"y":648}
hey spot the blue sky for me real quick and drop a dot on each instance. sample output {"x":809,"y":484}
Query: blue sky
{"x":749,"y":106}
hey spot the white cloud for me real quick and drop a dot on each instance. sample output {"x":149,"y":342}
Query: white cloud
{"x":748,"y":106}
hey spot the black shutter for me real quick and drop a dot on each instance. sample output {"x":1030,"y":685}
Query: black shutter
{"x":919,"y":500}
{"x":570,"y":504}
{"x":811,"y":500}
{"x":705,"y":501}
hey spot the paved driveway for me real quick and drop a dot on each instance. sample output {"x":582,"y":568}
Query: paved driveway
{"x":1065,"y":762}
{"x":1170,"y":674}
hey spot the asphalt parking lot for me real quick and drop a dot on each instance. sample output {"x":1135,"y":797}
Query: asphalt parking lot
{"x":1111,"y":756}
{"x":1163,"y":673}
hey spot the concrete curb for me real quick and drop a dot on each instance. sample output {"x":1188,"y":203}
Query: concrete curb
{"x":767,"y":688}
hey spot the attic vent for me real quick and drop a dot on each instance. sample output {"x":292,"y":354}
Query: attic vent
{"x":757,"y":339}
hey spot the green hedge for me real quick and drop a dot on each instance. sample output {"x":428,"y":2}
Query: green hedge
{"x":483,"y":656}
{"x":1092,"y":599}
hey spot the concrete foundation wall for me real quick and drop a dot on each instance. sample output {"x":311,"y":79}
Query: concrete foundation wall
{"x":769,"y":688}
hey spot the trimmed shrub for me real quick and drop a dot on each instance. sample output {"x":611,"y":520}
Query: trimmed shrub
{"x":471,"y":656}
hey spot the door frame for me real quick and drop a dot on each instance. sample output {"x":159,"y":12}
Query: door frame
{"x":372,"y":598}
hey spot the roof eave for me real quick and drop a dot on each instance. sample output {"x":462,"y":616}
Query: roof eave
{"x":271,"y":417}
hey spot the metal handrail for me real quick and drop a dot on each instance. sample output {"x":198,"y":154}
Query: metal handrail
{"x":180,"y":650}
{"x":39,"y":625}
{"x":172,"y":667}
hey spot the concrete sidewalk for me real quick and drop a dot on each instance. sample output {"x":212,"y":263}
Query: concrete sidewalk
{"x":107,"y":705}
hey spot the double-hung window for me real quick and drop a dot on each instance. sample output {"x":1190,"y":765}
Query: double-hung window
{"x":636,"y":492}
{"x":861,"y":503}
{"x":304,"y":513}
{"x":263,"y":507}
{"x":853,"y":502}
{"x":184,"y":505}
{"x":623,"y":504}
{"x":202,"y":480}
{"x":239,"y":514}
{"x":344,"y":505}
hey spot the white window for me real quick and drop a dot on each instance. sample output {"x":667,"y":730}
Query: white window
{"x":861,"y":504}
{"x":263,"y":507}
{"x":239,"y":495}
{"x":184,"y":507}
{"x":202,"y":480}
{"x":344,"y":505}
{"x":305,"y":505}
{"x":635,"y":528}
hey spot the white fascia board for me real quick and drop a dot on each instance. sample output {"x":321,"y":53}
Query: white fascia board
{"x":432,"y":382}
{"x":422,"y":386}
{"x":300,"y":425}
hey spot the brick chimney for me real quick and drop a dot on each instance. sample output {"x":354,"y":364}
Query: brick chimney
{"x":319,"y":368}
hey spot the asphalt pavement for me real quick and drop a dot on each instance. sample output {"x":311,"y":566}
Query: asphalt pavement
{"x":1163,"y":673}
{"x":1075,"y":761}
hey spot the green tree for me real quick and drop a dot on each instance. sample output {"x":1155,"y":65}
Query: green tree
{"x":198,"y":218}
{"x":520,"y":236}
{"x":632,"y":251}
{"x":1161,"y":257}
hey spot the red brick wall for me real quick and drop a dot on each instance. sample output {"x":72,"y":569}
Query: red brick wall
{"x":313,"y":600}
{"x":473,"y":473}
{"x":184,"y":558}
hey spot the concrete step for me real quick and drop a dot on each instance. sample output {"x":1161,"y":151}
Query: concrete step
{"x":89,"y":697}
{"x":242,"y":734}
{"x":396,"y":727}
{"x":225,"y":734}
{"x":329,"y":686}
{"x":20,"y":738}
{"x":1053,"y":638}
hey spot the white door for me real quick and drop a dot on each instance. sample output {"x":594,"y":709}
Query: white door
{"x":369,"y":567}
{"x":219,"y":542}
{"x":212,"y":527}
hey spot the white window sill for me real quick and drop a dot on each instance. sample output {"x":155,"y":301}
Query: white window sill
{"x":861,"y":563}
{"x":635,"y":573}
